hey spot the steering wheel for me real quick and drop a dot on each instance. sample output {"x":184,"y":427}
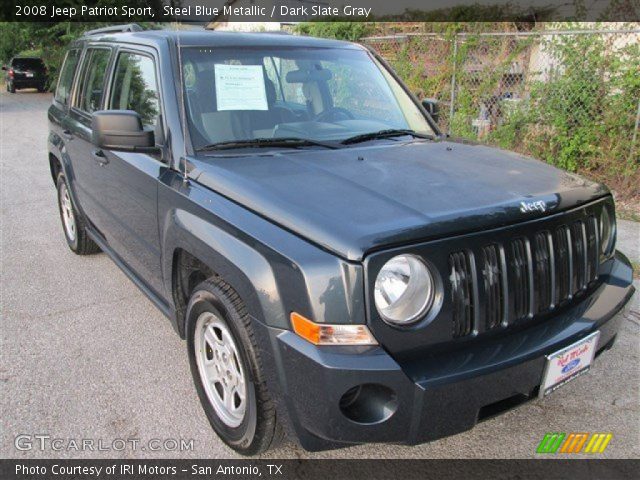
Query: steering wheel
{"x":334,"y":113}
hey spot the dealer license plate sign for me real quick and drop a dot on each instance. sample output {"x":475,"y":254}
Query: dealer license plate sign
{"x":568,"y":364}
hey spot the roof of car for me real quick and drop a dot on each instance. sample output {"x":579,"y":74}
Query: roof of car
{"x":211,"y":38}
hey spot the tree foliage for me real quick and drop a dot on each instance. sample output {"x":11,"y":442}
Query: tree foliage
{"x":49,"y":40}
{"x":350,"y":31}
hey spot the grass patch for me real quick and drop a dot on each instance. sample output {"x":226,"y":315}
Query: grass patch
{"x":627,"y":214}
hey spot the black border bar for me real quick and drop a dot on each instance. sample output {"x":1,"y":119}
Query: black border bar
{"x":207,"y":11}
{"x":544,"y":469}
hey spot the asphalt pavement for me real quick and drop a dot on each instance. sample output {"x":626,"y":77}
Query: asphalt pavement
{"x":85,"y":356}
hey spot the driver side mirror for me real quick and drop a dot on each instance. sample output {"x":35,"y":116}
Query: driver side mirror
{"x":432,"y":106}
{"x":120,"y":130}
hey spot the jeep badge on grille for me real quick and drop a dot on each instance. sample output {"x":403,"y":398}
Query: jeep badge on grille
{"x":540,"y":206}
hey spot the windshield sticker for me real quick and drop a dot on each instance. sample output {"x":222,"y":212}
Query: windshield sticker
{"x":240,"y":87}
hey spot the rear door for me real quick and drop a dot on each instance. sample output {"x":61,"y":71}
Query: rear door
{"x":128,"y":184}
{"x":58,"y":135}
{"x":86,"y":162}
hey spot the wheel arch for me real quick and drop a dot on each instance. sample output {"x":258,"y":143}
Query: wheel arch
{"x":200,"y":250}
{"x":55,"y":166}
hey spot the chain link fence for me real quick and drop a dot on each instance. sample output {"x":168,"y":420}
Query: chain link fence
{"x":570,"y":97}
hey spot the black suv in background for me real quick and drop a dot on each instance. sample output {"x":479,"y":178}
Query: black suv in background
{"x":25,"y":72}
{"x":340,"y":269}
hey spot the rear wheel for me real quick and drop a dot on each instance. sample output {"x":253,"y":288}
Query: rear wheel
{"x":226,"y":370}
{"x":73,"y":224}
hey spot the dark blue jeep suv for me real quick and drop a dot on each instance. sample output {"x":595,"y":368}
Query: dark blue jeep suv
{"x":340,"y":269}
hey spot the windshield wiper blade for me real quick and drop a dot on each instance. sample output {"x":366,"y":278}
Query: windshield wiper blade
{"x":392,"y":132}
{"x":286,"y":142}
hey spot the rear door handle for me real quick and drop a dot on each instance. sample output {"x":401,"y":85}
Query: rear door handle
{"x":67,"y":134}
{"x":100,"y":158}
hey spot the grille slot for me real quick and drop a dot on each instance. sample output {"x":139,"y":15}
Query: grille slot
{"x":593,"y":248}
{"x":563,"y":264}
{"x":462,"y":293}
{"x":578,"y":240}
{"x":493,"y":286}
{"x":521,"y":284}
{"x":542,"y":271}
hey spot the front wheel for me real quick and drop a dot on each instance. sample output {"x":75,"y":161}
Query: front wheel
{"x":75,"y":231}
{"x":226,"y":370}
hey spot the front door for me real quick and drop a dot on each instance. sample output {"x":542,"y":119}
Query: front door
{"x":129,"y":180}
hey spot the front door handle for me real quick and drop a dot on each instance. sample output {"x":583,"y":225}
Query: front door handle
{"x":67,"y":135}
{"x":100,"y":158}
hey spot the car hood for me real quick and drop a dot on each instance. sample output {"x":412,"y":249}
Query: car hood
{"x":354,"y":200}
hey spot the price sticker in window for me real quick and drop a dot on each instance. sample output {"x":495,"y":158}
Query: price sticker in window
{"x":240,"y":87}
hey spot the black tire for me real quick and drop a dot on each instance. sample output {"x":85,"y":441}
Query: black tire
{"x":11,"y":87}
{"x":81,"y":244}
{"x":41,"y":89}
{"x":260,"y":429}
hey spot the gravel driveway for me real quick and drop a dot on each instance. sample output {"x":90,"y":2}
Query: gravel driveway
{"x":86,"y":356}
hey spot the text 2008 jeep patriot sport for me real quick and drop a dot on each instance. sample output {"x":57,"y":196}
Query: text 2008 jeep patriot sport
{"x":340,"y":269}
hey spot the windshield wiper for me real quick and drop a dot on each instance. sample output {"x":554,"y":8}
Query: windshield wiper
{"x":392,"y":132}
{"x":285,"y":142}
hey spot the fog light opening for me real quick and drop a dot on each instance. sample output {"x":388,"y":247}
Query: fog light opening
{"x":369,"y":403}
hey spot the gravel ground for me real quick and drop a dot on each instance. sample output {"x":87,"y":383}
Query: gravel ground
{"x":86,"y":355}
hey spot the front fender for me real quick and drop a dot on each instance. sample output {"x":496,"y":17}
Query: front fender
{"x":228,"y":257}
{"x":273,"y":270}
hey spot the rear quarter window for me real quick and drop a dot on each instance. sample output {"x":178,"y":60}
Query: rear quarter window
{"x":65,"y":81}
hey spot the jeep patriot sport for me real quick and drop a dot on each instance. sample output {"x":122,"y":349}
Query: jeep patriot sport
{"x":342,"y":271}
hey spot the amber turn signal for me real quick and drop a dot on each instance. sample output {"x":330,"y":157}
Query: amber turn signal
{"x":322,"y":334}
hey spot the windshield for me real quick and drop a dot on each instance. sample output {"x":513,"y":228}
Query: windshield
{"x":321,"y":94}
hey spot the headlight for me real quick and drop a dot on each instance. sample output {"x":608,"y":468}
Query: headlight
{"x":404,"y":290}
{"x":607,"y":231}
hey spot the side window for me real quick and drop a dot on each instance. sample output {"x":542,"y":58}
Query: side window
{"x":135,"y":87}
{"x":65,"y":80}
{"x":95,"y":72}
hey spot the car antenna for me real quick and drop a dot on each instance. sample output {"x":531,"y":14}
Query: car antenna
{"x":185,"y":173}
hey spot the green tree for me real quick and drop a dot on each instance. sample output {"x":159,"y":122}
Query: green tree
{"x":351,"y":31}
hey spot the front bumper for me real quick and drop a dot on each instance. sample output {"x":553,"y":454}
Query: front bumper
{"x":439,"y":394}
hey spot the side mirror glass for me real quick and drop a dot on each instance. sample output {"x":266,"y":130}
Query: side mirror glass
{"x":120,"y":130}
{"x":432,"y":106}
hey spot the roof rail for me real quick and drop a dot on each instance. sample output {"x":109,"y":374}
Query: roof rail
{"x":130,"y":27}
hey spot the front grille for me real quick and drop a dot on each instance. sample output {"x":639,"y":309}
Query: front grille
{"x":522,"y":277}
